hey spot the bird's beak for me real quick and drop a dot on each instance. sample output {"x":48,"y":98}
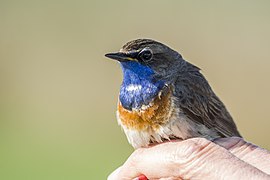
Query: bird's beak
{"x":120,"y":56}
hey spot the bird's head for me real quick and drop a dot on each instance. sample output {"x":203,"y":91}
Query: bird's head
{"x":148,"y":66}
{"x":149,"y":57}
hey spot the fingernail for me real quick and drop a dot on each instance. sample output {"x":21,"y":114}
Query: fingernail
{"x":141,"y":177}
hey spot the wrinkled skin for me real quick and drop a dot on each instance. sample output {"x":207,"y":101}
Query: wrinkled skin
{"x":197,"y":158}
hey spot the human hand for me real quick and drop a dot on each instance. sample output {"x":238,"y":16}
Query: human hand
{"x":197,"y":158}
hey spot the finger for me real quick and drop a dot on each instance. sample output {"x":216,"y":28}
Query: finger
{"x":114,"y":174}
{"x":192,"y":158}
{"x":250,"y":153}
{"x":156,"y":161}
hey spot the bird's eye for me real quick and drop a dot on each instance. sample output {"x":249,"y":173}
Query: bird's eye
{"x":145,"y":55}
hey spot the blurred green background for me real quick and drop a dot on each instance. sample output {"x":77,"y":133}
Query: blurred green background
{"x":59,"y":93}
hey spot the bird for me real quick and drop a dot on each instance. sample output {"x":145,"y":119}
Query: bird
{"x":163,"y":97}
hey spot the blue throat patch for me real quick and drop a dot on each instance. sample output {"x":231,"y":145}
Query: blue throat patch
{"x":138,"y":87}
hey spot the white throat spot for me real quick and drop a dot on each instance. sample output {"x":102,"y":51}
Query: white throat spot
{"x":134,"y":87}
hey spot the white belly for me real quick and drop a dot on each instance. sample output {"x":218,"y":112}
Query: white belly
{"x":177,"y":127}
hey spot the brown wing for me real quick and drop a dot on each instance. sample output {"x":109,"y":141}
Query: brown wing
{"x":200,"y":104}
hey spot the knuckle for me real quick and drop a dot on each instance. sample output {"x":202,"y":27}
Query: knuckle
{"x":189,"y":150}
{"x":197,"y":145}
{"x":186,"y":155}
{"x":242,"y":147}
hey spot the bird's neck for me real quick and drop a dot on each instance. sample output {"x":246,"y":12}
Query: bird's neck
{"x":139,"y":87}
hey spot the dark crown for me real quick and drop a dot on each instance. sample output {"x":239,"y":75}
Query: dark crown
{"x":140,"y":43}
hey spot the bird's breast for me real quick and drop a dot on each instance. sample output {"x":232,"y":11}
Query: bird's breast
{"x":153,"y":115}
